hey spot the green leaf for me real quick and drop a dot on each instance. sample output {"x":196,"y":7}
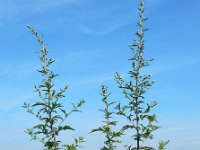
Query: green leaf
{"x":98,"y":129}
{"x":162,"y":145}
{"x":66,"y":127}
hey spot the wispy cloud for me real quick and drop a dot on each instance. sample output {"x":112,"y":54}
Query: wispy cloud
{"x":9,"y":104}
{"x":100,"y":31}
{"x":44,"y":5}
{"x":104,"y":20}
{"x":107,"y":21}
{"x":74,"y":57}
{"x":94,"y":80}
{"x":10,"y":9}
{"x":83,"y":54}
{"x":152,"y":3}
{"x":156,"y":69}
{"x":6,"y":105}
{"x":171,"y":130}
{"x":193,"y":141}
{"x":173,"y":64}
{"x":19,"y":70}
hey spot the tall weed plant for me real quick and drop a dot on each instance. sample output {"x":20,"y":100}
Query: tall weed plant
{"x":49,"y":109}
{"x":111,"y":137}
{"x":141,"y":122}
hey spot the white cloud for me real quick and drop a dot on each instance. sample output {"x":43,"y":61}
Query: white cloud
{"x":103,"y":30}
{"x":70,"y":58}
{"x":48,"y":4}
{"x":152,"y":3}
{"x":17,"y":70}
{"x":193,"y":141}
{"x":85,"y":29}
{"x":83,"y":54}
{"x":107,"y":20}
{"x":11,"y":9}
{"x":173,"y":64}
{"x":8,"y":104}
{"x":94,"y":80}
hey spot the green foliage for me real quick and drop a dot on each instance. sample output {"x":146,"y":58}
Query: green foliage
{"x":138,"y":111}
{"x":162,"y":145}
{"x":77,"y":142}
{"x":111,"y":137}
{"x":49,"y":110}
{"x":141,"y":122}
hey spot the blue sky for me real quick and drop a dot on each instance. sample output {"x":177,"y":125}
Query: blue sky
{"x":89,"y":40}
